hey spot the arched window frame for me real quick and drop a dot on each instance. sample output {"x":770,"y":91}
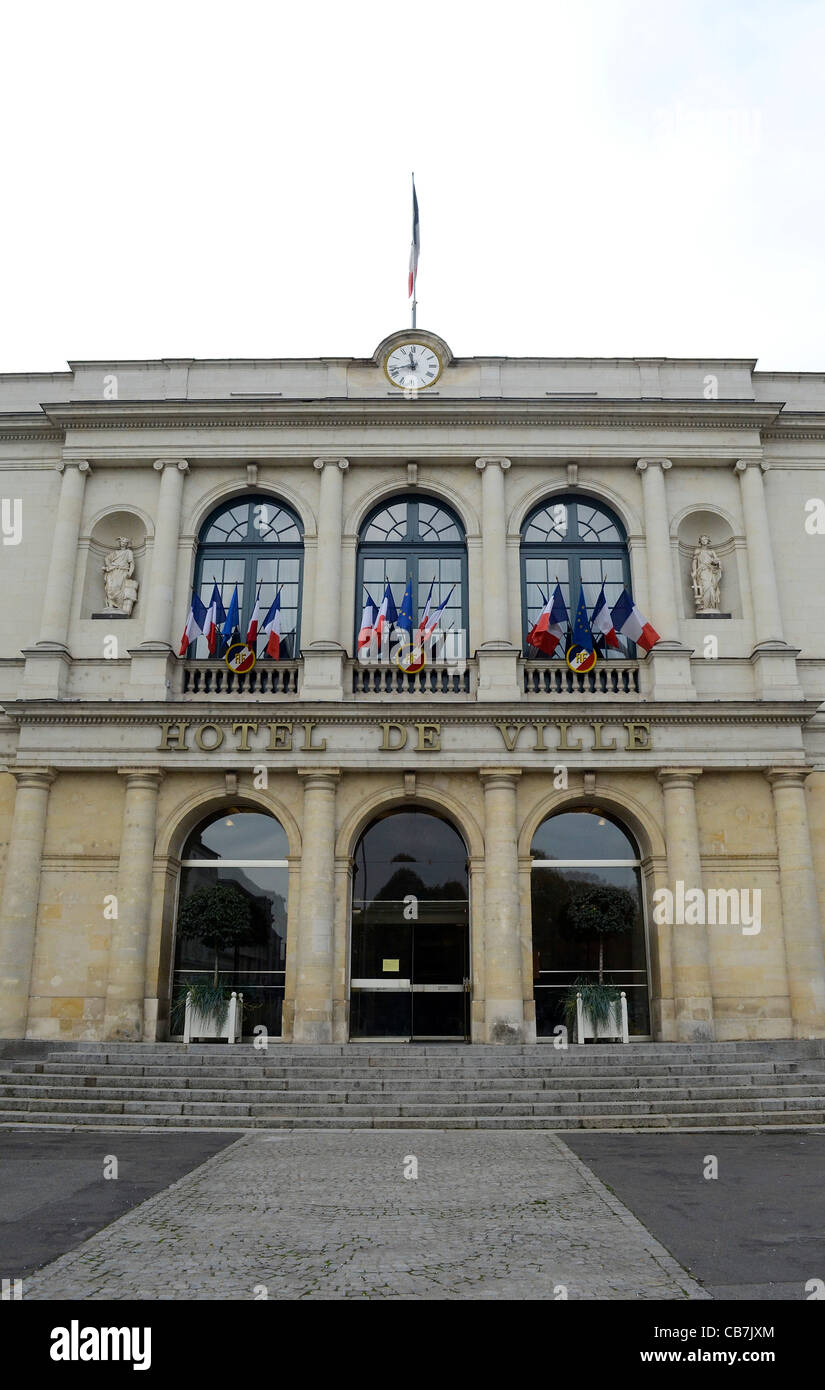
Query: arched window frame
{"x":250,"y":551}
{"x":573,"y":552}
{"x":413,"y":550}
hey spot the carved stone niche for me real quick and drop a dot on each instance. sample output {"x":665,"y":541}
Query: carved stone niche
{"x":124,"y":588}
{"x":708,"y":567}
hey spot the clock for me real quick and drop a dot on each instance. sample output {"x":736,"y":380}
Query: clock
{"x":412,"y":366}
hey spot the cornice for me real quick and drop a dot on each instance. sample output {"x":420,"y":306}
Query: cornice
{"x":28,"y":425}
{"x":341,"y":413}
{"x":22,"y":712}
{"x":797,"y":424}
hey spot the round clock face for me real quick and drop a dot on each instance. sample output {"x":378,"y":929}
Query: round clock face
{"x":412,"y":366}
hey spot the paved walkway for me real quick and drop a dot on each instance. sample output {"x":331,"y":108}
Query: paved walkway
{"x":310,"y":1214}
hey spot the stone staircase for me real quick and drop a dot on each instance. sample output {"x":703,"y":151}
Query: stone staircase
{"x":365,"y":1086}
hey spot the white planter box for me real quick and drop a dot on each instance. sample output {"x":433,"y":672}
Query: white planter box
{"x":197,"y":1026}
{"x":615,"y":1028}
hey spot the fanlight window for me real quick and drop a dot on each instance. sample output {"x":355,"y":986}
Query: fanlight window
{"x":253,"y":542}
{"x":573,"y":541}
{"x":414,"y":538}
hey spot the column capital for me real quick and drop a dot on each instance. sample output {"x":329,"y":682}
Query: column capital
{"x":82,"y":465}
{"x":181,"y":464}
{"x":150,"y":777}
{"x":320,"y":464}
{"x":503,"y":464}
{"x":643,"y":464}
{"x":41,"y":777}
{"x":320,"y":779}
{"x":679,"y":776}
{"x":788,"y":776}
{"x":742,"y":465}
{"x":499,"y":776}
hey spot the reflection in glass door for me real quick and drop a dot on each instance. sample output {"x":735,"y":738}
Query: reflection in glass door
{"x":410,"y":968}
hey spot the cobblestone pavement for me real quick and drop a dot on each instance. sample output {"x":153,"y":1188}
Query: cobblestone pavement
{"x":320,"y":1215}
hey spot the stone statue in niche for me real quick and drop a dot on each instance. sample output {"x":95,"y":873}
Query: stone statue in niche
{"x":706,"y":575}
{"x":120,"y":586}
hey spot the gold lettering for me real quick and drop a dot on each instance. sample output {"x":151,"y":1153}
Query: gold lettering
{"x":280,"y":737}
{"x":243,"y":746}
{"x":429,"y":736}
{"x":386,"y":745}
{"x":179,"y":744}
{"x":564,"y":725}
{"x":308,"y":745}
{"x":510,"y":739}
{"x":597,"y":738}
{"x":199,"y":736}
{"x":638,"y":736}
{"x":541,"y":746}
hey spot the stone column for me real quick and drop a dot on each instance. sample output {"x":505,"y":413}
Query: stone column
{"x":328,"y":553}
{"x":494,"y":555}
{"x":21,"y":892}
{"x":664,"y":612}
{"x":504,"y":1003}
{"x":315,"y":945}
{"x":126,"y":985}
{"x":323,"y":675}
{"x":497,"y":657}
{"x":693,"y":996}
{"x":767,"y":620}
{"x":157,"y":623}
{"x":800,"y":907}
{"x":57,"y":599}
{"x":671,"y":675}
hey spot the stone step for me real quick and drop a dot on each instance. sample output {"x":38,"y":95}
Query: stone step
{"x":269,"y":1109}
{"x":420,"y":1094}
{"x":251,"y":1069}
{"x":698,"y":1120}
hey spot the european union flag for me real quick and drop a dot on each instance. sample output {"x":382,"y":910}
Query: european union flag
{"x":582,"y":634}
{"x":405,"y":617}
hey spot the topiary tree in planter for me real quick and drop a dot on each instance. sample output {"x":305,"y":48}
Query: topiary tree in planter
{"x":219,"y":916}
{"x":596,"y":911}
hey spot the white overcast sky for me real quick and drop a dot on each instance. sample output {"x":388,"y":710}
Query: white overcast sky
{"x":595,"y":177}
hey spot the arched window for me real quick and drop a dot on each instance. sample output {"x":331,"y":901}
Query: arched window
{"x":574,"y":541}
{"x":572,"y":852}
{"x":248,"y":850}
{"x":419,"y":539}
{"x":253,"y":541}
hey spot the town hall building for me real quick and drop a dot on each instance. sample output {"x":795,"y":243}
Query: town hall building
{"x":407,"y":832}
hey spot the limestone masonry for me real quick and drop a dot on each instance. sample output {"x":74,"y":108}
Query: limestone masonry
{"x":410,"y":841}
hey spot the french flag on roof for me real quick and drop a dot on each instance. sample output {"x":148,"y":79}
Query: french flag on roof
{"x":601,"y":621}
{"x":553,"y":622}
{"x":630,"y":623}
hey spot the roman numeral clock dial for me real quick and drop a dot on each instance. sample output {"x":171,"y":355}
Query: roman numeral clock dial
{"x":412,"y":367}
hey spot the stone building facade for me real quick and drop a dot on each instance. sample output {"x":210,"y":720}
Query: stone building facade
{"x":124,"y":767}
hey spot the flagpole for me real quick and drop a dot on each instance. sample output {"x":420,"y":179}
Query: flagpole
{"x":415,"y":272}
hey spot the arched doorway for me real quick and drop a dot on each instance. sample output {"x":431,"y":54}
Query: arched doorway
{"x":571,"y":851}
{"x":247,"y":850}
{"x":410,"y":954}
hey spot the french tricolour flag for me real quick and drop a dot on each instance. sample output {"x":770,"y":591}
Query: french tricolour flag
{"x":552,"y":624}
{"x":387,"y":613}
{"x":254,"y":622}
{"x":628,"y":621}
{"x":195,"y":625}
{"x":429,"y":622}
{"x":368,"y":620}
{"x":215,"y":615}
{"x":414,"y":248}
{"x":602,"y":621}
{"x":271,"y":628}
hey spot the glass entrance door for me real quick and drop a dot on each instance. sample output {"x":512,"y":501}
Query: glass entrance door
{"x":410,"y":966}
{"x":410,"y":978}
